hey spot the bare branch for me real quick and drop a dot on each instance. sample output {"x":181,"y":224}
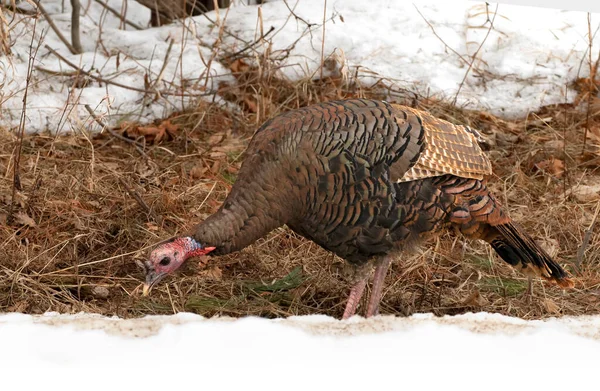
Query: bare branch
{"x":474,"y":57}
{"x":116,"y":135}
{"x":114,"y":83}
{"x":75,"y":36}
{"x":118,"y":15}
{"x":54,"y":27}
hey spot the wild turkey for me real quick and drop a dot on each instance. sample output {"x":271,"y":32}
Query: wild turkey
{"x":364,"y":179}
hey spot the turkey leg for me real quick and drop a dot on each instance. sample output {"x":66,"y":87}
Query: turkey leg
{"x":361,"y":276}
{"x":354,"y":298}
{"x":381,"y":269}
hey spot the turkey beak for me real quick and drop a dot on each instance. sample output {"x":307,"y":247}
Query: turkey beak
{"x":152,"y":278}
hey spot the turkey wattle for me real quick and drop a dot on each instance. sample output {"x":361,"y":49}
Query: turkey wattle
{"x":363,"y":179}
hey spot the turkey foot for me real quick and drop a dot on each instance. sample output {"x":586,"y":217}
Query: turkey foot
{"x":361,"y":276}
{"x":383,"y":264}
{"x":354,"y":298}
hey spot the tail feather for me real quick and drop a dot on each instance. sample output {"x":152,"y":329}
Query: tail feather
{"x":517,"y":248}
{"x":478,"y":215}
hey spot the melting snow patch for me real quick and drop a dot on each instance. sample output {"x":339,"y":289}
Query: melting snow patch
{"x":528,"y":59}
{"x":472,"y":351}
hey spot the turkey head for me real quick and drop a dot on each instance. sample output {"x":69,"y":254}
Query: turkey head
{"x":168,"y":257}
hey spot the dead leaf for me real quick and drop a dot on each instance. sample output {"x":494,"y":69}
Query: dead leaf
{"x":554,"y":145}
{"x":215,"y":139}
{"x":100,"y":292}
{"x":165,"y":131}
{"x":550,"y":245}
{"x":216,"y":167}
{"x":197,"y":172}
{"x":152,"y":227}
{"x":239,"y":66}
{"x":551,"y":306}
{"x":475,"y":300}
{"x":251,"y":105}
{"x":586,"y":193}
{"x":22,"y":218}
{"x":552,"y":166}
{"x":214,"y":273}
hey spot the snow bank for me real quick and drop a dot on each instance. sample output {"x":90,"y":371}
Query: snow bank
{"x":528,"y":59}
{"x":468,"y":352}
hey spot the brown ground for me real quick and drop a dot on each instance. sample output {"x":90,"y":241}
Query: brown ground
{"x":88,"y":209}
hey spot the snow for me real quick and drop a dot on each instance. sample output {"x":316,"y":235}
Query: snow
{"x":471,"y":351}
{"x":529,"y":58}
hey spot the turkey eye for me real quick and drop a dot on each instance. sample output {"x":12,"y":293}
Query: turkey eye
{"x":165,"y":261}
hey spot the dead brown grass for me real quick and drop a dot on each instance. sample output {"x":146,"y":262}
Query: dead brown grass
{"x":80,"y":224}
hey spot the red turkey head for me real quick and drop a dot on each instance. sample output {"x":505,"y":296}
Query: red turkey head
{"x":168,"y":257}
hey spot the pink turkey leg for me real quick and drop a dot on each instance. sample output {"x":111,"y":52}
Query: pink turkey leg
{"x":355,"y":294}
{"x":380,"y":271}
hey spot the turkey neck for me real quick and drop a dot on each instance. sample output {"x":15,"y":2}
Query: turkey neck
{"x":248,"y":213}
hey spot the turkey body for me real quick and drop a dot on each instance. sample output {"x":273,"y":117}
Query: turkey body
{"x":365,"y":179}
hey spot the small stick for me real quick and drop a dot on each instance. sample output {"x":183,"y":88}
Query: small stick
{"x":591,"y":83}
{"x":118,"y":14}
{"x":139,"y":200}
{"x":16,"y":185}
{"x":164,"y":65}
{"x":460,"y":86}
{"x":256,"y":41}
{"x":323,"y":41}
{"x":54,"y":28}
{"x":440,"y":38}
{"x":137,"y":145}
{"x":75,"y":36}
{"x":114,"y":83}
{"x":586,"y":238}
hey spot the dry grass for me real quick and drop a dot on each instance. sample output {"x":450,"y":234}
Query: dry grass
{"x":79,"y":227}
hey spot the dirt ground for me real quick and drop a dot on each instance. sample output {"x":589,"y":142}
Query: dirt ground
{"x":87,"y":207}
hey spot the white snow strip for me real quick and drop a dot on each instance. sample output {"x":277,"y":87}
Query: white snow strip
{"x":467,"y":352}
{"x":528,"y":59}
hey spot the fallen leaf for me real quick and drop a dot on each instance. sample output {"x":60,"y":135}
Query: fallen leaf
{"x":214,"y":273}
{"x":551,"y":306}
{"x":586,"y":193}
{"x":555,"y":145}
{"x":23,"y":219}
{"x":215,"y":139}
{"x":552,"y":166}
{"x":152,"y":227}
{"x":165,"y":131}
{"x":251,"y":105}
{"x":197,"y":172}
{"x":239,"y":66}
{"x":475,"y":300}
{"x":216,"y":166}
{"x":550,"y":245}
{"x":100,"y":292}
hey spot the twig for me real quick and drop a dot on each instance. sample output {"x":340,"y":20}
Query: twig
{"x":250,"y":46}
{"x":586,"y":238}
{"x":323,"y":40}
{"x":440,"y":38}
{"x":164,"y":65}
{"x":118,"y":15}
{"x":139,"y":200}
{"x":16,"y":185}
{"x":54,"y":28}
{"x":591,"y":84}
{"x":114,"y":83}
{"x":477,"y":51}
{"x":296,"y":16}
{"x":75,"y":37}
{"x":116,"y":135}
